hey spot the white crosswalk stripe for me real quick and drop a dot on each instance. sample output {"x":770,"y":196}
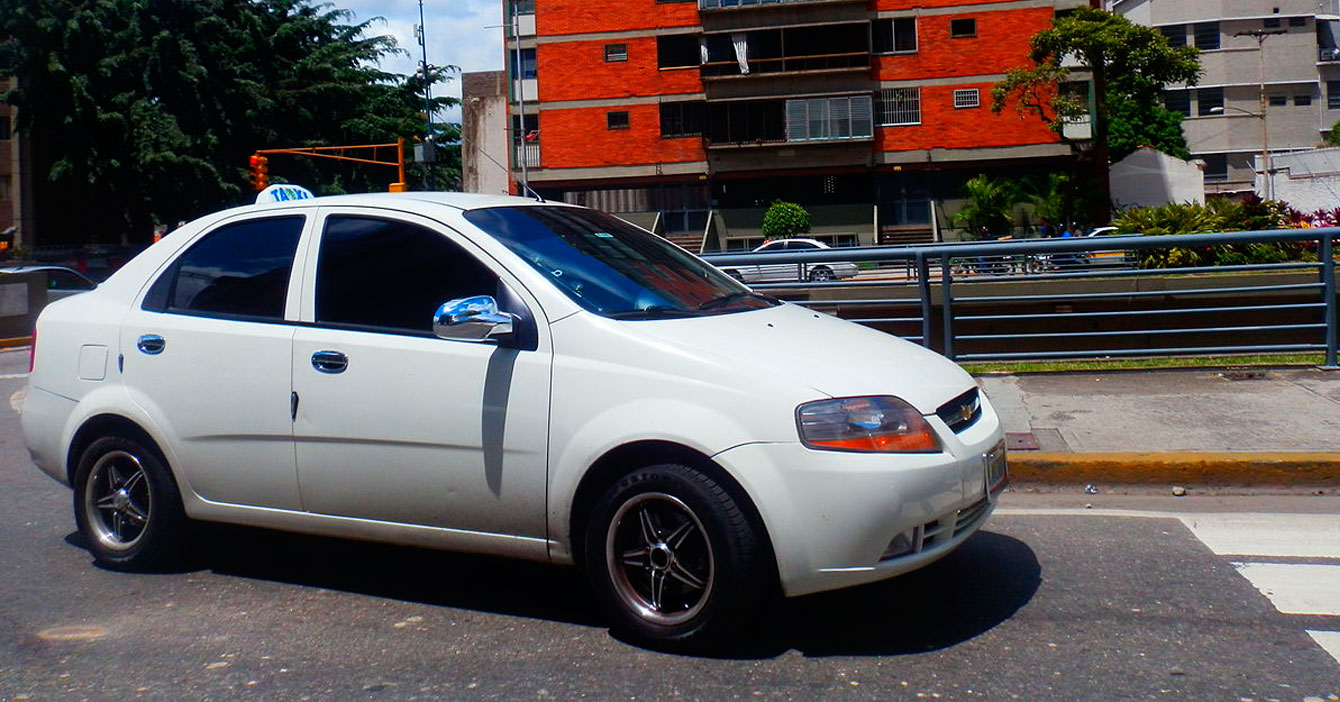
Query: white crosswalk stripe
{"x":1293,"y":588}
{"x":1256,"y":543}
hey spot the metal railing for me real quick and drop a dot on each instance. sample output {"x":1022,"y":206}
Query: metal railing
{"x":1082,"y":297}
{"x":726,"y":4}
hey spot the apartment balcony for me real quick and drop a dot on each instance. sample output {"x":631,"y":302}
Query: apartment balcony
{"x":1328,"y":55}
{"x":737,"y":4}
{"x":769,"y":67}
{"x":805,"y":132}
{"x":527,"y":154}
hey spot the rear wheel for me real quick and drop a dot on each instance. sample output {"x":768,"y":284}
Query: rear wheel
{"x":127,"y":506}
{"x":673,"y":558}
{"x":822,"y":274}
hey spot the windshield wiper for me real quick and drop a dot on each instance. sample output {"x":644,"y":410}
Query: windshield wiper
{"x":728,"y":298}
{"x":652,"y":312}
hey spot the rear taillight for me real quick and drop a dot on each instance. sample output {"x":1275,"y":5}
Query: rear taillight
{"x":32,"y":352}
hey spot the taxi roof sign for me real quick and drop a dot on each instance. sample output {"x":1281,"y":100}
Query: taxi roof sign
{"x":283,"y":192}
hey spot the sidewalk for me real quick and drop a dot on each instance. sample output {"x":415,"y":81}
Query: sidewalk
{"x":1181,"y":427}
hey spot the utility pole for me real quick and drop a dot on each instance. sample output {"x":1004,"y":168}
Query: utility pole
{"x":521,"y":99}
{"x":428,"y":147}
{"x":1260,"y":35}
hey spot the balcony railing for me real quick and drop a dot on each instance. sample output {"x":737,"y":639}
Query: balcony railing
{"x":785,"y":64}
{"x":528,"y":154}
{"x":1328,"y":55}
{"x":728,"y":4}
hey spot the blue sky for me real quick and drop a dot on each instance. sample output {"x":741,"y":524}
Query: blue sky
{"x":462,"y":33}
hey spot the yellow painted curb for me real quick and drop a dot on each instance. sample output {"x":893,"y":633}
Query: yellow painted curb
{"x":1177,"y":467}
{"x":15,"y":342}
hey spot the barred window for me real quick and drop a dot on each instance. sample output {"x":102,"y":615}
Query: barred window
{"x":616,"y":52}
{"x":969,"y":97}
{"x":814,"y":119}
{"x":899,"y":106}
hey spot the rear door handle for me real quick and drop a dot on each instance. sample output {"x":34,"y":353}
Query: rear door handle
{"x":150,"y":344}
{"x":330,"y":361}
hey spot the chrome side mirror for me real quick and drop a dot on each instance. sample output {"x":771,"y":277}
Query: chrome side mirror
{"x":471,"y":319}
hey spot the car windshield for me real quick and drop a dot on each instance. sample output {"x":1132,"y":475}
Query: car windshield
{"x":611,"y":267}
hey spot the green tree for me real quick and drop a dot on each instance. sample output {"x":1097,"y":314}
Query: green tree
{"x":989,"y":209}
{"x":1130,"y":64}
{"x":1333,"y":135}
{"x":784,"y":220}
{"x":144,"y":111}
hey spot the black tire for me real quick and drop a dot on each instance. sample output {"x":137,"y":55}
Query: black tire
{"x":822,"y":274}
{"x":674,"y":559}
{"x":127,"y":506}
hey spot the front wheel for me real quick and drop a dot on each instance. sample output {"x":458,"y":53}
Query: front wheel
{"x":822,"y":275}
{"x":127,"y":506}
{"x":673,"y":558}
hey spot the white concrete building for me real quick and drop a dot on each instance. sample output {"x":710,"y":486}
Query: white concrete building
{"x":1307,"y":180}
{"x":1149,"y":177}
{"x":1284,"y":49}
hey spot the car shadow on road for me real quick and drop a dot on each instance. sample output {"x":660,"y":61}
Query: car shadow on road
{"x":956,"y":599}
{"x":962,"y":596}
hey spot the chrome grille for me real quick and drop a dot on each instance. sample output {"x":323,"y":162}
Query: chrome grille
{"x":962,"y":411}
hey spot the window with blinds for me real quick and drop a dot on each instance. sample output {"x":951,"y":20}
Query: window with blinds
{"x":815,"y":119}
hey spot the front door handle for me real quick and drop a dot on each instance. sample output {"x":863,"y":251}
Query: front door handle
{"x":330,"y":361}
{"x":150,"y":344}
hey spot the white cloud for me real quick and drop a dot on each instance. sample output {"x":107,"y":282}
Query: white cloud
{"x":463,"y":33}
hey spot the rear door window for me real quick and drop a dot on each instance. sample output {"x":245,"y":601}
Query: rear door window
{"x":238,"y":270}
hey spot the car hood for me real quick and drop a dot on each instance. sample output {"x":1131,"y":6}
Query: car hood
{"x":832,"y":356}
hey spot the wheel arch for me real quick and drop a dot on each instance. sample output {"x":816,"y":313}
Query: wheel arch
{"x":626,"y":458}
{"x":101,"y":425}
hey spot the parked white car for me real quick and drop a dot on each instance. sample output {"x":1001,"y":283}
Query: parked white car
{"x":512,"y":377}
{"x":794,"y":271}
{"x":61,"y":282}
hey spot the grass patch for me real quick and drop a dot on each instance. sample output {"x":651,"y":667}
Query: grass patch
{"x":1160,"y":363}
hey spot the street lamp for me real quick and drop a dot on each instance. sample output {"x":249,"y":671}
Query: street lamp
{"x":1260,"y":35}
{"x":1265,"y":142}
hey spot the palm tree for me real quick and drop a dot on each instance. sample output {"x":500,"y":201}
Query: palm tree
{"x":989,"y":210}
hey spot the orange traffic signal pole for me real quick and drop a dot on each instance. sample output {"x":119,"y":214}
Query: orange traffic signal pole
{"x":338,"y":153}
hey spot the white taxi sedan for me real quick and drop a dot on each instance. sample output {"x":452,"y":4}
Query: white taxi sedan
{"x":504,"y":376}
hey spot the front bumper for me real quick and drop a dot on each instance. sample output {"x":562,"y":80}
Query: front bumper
{"x":833,"y":518}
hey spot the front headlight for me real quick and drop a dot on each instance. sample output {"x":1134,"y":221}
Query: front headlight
{"x":867,"y":424}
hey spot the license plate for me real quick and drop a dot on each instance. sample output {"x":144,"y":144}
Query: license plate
{"x":997,"y":474}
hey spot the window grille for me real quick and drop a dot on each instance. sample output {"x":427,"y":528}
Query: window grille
{"x":970,"y":97}
{"x":899,"y":106}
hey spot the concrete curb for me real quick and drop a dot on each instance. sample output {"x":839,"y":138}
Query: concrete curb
{"x":1177,"y":468}
{"x":15,"y":342}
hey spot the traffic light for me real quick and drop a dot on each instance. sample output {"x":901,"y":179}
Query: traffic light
{"x":260,"y":170}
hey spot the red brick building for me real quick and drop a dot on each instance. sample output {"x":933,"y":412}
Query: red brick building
{"x":690,"y":116}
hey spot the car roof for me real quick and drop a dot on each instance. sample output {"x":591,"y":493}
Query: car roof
{"x":460,"y":201}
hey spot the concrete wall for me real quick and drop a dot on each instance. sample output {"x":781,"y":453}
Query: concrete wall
{"x":1309,"y":180}
{"x":1150,"y":177}
{"x":484,"y":157}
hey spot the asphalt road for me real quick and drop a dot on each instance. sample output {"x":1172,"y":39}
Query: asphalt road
{"x":1046,"y":604}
